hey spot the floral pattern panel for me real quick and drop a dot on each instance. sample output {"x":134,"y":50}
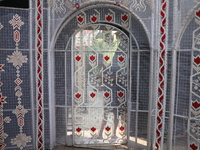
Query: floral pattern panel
{"x":15,"y":100}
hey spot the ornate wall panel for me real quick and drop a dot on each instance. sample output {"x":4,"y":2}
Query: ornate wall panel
{"x":62,"y":8}
{"x":59,"y":6}
{"x":194,"y":121}
{"x":17,"y":59}
{"x":3,"y":135}
{"x":87,"y":64}
{"x":16,"y":117}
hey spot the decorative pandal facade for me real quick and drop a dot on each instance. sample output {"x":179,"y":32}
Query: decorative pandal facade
{"x":100,"y":73}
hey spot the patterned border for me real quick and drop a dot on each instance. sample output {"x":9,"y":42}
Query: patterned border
{"x":109,"y":18}
{"x":3,"y":135}
{"x":194,"y":122}
{"x":161,"y":76}
{"x":59,"y":6}
{"x":17,"y":59}
{"x":39,"y":70}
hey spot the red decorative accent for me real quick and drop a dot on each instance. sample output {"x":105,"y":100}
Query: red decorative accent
{"x":78,"y":95}
{"x":80,"y":19}
{"x":78,"y":129}
{"x":196,"y":105}
{"x":193,"y":146}
{"x":92,"y":95}
{"x":106,"y":94}
{"x":2,"y":145}
{"x":92,"y":58}
{"x":198,"y":13}
{"x":78,"y":58}
{"x":109,"y":18}
{"x":1,"y":67}
{"x":77,"y":5}
{"x":161,"y":77}
{"x":121,"y":128}
{"x":16,"y":36}
{"x":39,"y":80}
{"x":121,"y":58}
{"x":197,"y":60}
{"x":93,"y":18}
{"x":106,"y":58}
{"x":117,"y":3}
{"x":107,"y":128}
{"x":93,"y":129}
{"x":2,"y":99}
{"x":120,"y":94}
{"x":16,"y":22}
{"x":20,"y":121}
{"x":124,"y":17}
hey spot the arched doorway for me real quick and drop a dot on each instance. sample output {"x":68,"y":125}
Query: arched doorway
{"x":100,"y":85}
{"x":102,"y":69}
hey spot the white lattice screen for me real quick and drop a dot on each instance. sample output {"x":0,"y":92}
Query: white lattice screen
{"x":100,"y":73}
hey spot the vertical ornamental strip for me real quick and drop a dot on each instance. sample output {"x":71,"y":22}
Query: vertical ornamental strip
{"x":18,"y":59}
{"x":162,"y":59}
{"x":39,"y":78}
{"x":194,"y":123}
{"x":3,"y":135}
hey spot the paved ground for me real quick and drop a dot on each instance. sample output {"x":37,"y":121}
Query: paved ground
{"x":100,"y":148}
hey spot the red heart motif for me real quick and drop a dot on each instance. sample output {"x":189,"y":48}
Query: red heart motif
{"x":106,"y":58}
{"x":198,"y":13}
{"x":93,"y":129}
{"x":80,"y":19}
{"x":121,"y":58}
{"x":78,"y":58}
{"x":197,"y":60}
{"x":77,"y":5}
{"x":106,"y":94}
{"x":121,"y":128}
{"x":94,"y":18}
{"x":92,"y":58}
{"x":117,"y":3}
{"x":92,"y":95}
{"x":196,"y":105}
{"x":78,"y":95}
{"x":109,"y":18}
{"x":107,"y":128}
{"x":120,"y":94}
{"x":124,"y":17}
{"x":78,"y":129}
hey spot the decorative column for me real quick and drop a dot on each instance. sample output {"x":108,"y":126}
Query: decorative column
{"x":162,"y":75}
{"x":39,"y":71}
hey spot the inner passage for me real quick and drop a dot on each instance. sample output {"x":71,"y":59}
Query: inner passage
{"x":100,"y":83}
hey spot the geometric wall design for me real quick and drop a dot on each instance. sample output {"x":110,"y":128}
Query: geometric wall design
{"x":15,"y":100}
{"x":194,"y":123}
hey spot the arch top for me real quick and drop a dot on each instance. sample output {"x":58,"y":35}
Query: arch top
{"x":101,"y":13}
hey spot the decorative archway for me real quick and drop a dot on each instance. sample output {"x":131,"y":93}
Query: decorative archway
{"x":72,"y":95}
